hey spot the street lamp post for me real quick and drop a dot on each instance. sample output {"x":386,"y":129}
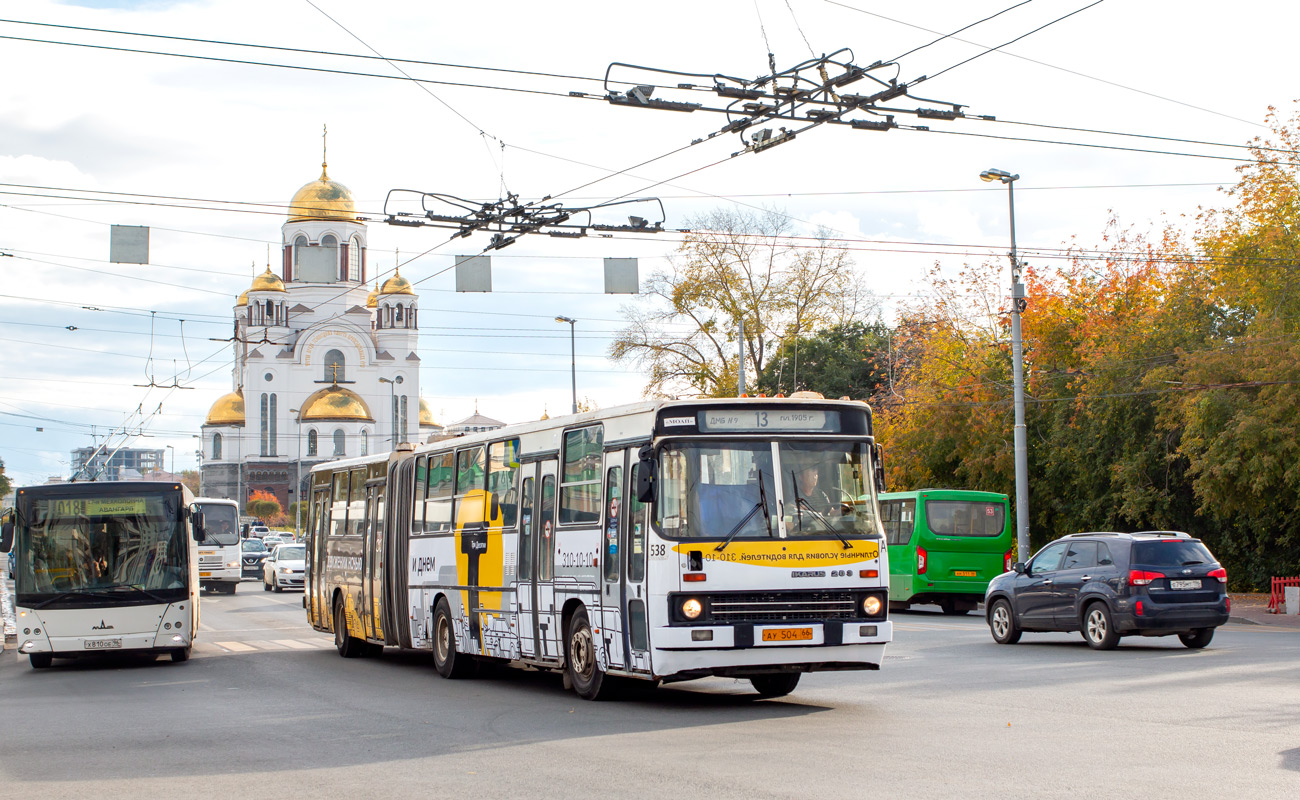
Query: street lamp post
{"x":392,"y":395}
{"x":573,"y":358}
{"x":1017,"y":370}
{"x":297,"y":487}
{"x":173,"y":469}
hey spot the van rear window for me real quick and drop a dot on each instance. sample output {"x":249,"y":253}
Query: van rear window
{"x":964,"y":518}
{"x":1171,"y":553}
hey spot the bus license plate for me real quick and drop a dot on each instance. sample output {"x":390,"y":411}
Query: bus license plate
{"x":1196,"y":584}
{"x":103,"y":644}
{"x":205,"y":574}
{"x":965,"y":573}
{"x":787,"y":634}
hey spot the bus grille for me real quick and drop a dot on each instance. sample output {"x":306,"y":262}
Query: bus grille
{"x":782,"y":606}
{"x":210,"y":560}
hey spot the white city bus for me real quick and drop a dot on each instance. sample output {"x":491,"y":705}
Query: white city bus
{"x":664,"y":541}
{"x":105,"y":567}
{"x":220,"y":553}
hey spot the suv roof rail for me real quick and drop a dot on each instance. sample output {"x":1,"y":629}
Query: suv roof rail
{"x":1164,"y":534}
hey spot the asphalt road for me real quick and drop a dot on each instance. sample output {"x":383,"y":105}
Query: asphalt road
{"x":267,"y":708}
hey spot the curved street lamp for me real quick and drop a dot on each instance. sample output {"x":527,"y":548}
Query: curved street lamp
{"x":573,"y":358}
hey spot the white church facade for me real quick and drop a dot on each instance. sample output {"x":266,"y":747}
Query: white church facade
{"x":325,"y":366}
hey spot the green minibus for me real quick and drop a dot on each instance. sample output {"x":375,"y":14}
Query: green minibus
{"x":945,"y":545}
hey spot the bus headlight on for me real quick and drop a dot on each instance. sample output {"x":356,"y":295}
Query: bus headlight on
{"x":871,"y":605}
{"x":691,"y":608}
{"x":232,"y":564}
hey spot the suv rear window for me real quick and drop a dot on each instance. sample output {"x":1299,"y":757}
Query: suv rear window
{"x":1171,"y":553}
{"x":964,"y":518}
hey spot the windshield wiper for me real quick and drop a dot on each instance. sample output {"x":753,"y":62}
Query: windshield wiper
{"x":800,"y":503}
{"x":74,"y":593}
{"x":761,"y":505}
{"x":134,"y":587}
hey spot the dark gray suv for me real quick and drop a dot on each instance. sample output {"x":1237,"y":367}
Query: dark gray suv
{"x":1108,"y":585}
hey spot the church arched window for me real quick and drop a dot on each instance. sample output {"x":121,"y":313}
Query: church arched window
{"x":354,"y":259}
{"x":216,"y":446}
{"x":312,"y":442}
{"x":340,"y":448}
{"x":334,"y":358}
{"x":365,"y":443}
{"x":398,"y":313}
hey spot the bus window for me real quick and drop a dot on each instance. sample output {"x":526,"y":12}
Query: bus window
{"x":437,"y":514}
{"x":503,"y":465}
{"x":637,"y":522}
{"x":357,"y":502}
{"x":965,"y":518}
{"x":899,"y":518}
{"x":546,"y":556}
{"x":469,"y":485}
{"x":613,"y":505}
{"x":339,"y":504}
{"x":526,"y":532}
{"x":580,"y":491}
{"x":421,"y":489}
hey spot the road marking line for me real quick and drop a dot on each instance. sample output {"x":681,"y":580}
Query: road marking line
{"x":267,"y":644}
{"x":234,"y":647}
{"x":294,"y":644}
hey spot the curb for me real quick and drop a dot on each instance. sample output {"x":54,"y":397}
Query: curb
{"x":1244,"y":621}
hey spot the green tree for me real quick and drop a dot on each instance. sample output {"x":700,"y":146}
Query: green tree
{"x":734,"y":267}
{"x":5,"y":484}
{"x":849,"y":359}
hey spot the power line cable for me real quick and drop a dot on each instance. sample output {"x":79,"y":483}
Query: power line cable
{"x":1013,"y":41}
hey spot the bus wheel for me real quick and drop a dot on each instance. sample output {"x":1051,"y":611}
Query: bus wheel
{"x":1002,"y":625}
{"x":777,"y":684}
{"x":584,"y":675}
{"x":347,"y":645}
{"x":41,"y":660}
{"x":449,"y":663}
{"x":180,"y":654}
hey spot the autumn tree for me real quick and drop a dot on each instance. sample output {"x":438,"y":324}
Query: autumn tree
{"x":5,"y":484}
{"x":734,"y":266}
{"x":263,"y":505}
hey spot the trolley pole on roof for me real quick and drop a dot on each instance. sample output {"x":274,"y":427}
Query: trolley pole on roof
{"x":1017,"y":371}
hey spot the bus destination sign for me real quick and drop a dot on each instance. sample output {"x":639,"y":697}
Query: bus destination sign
{"x":93,"y":507}
{"x":775,"y":420}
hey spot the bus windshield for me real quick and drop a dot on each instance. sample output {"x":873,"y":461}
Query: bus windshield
{"x":89,"y":545}
{"x":751,"y":489}
{"x":220,"y":524}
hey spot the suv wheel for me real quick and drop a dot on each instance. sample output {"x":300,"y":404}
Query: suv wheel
{"x":1098,"y":629}
{"x":1198,"y":638}
{"x":1001,"y":624}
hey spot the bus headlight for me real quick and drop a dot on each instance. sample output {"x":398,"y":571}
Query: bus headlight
{"x":232,"y":564}
{"x":871,"y":605}
{"x":692,"y":608}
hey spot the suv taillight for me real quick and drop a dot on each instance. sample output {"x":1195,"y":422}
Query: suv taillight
{"x":1220,"y":573}
{"x":1138,"y":577}
{"x":921,"y":559}
{"x":1006,"y":561}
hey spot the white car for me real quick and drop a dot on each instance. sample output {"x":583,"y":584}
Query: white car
{"x":284,"y":569}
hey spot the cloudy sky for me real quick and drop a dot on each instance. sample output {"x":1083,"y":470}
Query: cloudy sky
{"x":207,"y":152}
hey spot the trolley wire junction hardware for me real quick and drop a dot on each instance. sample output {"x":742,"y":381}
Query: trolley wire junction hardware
{"x":804,"y":96}
{"x":508,"y":219}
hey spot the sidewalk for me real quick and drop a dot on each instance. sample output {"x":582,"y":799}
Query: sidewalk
{"x":1252,"y":609}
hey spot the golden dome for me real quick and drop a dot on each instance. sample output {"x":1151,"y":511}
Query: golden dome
{"x":373,"y":300}
{"x":228,"y":410}
{"x":426,"y":414}
{"x":266,"y":282}
{"x":335,"y":403}
{"x":322,"y":199}
{"x":397,"y":285}
{"x":243,"y":299}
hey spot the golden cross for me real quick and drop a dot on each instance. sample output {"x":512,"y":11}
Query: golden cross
{"x":335,"y":369}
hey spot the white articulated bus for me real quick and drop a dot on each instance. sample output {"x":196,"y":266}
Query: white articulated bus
{"x":664,"y":541}
{"x":220,"y":554}
{"x":105,"y":567}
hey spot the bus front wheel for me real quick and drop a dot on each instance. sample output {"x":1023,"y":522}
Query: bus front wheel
{"x":585,"y":675}
{"x":180,"y":654}
{"x":41,"y":660}
{"x":448,"y":662}
{"x":777,"y":684}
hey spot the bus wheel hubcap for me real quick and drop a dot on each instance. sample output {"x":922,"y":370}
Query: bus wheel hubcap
{"x":580,"y":651}
{"x":444,"y":637}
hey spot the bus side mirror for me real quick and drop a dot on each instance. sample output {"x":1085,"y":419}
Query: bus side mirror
{"x":645,"y":475}
{"x":196,"y":524}
{"x":6,"y":537}
{"x":879,"y":469}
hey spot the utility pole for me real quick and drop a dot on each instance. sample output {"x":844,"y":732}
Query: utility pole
{"x":1017,"y":372}
{"x":740,"y":352}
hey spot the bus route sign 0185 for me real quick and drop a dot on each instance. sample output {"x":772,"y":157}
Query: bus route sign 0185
{"x":771,"y":420}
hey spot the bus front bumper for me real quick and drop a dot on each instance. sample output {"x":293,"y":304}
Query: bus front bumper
{"x":683,"y":653}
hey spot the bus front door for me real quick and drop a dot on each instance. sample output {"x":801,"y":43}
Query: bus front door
{"x":635,"y":529}
{"x":319,"y":610}
{"x":613,"y":540}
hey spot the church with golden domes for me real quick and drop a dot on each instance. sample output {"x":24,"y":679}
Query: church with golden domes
{"x":325,"y":366}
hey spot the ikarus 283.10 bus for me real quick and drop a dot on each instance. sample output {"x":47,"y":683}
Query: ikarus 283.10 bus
{"x":660,"y":541}
{"x":105,"y":568}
